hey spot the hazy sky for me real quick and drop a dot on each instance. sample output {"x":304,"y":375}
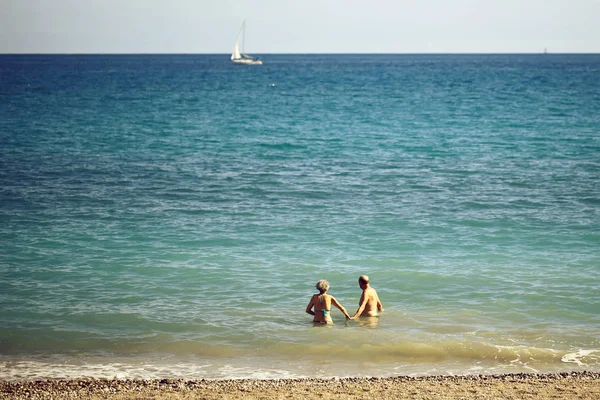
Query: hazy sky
{"x":302,"y":26}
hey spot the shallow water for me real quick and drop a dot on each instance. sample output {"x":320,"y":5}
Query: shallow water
{"x":169,"y":215}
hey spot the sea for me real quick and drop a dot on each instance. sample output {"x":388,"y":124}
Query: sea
{"x":168,"y":216}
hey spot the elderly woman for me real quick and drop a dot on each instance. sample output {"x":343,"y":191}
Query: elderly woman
{"x":321,"y":303}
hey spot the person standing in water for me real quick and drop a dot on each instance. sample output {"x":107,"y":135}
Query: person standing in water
{"x":369,"y":304}
{"x":320,"y":304}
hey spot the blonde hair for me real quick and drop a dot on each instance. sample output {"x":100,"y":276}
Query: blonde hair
{"x":322,"y":286}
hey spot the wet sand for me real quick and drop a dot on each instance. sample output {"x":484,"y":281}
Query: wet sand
{"x":571,"y":385}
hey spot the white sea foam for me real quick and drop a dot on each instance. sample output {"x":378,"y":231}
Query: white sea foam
{"x":34,"y":370}
{"x":583,"y":357}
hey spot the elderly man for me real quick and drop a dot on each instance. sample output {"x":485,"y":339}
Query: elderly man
{"x":369,"y":304}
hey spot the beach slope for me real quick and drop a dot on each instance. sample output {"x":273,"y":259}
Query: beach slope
{"x":572,"y":385}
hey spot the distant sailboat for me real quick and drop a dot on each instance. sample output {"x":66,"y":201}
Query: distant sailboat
{"x":242,"y":58}
{"x":545,"y":51}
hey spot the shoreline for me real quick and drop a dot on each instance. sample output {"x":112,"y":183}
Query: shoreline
{"x":564,"y":385}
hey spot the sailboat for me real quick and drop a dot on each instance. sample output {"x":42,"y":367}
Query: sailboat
{"x":242,"y":58}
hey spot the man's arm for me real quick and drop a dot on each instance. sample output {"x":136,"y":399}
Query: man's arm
{"x":379,"y":305}
{"x":363,"y":304}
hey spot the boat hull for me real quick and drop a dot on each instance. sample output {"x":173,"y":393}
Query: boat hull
{"x":242,"y":61}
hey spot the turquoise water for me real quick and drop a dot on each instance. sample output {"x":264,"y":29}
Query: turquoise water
{"x":169,"y":216}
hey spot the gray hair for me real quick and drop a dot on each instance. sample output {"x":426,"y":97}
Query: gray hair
{"x":322,"y":286}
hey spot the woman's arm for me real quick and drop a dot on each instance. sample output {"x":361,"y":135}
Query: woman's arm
{"x":338,"y":305}
{"x":310,"y":306}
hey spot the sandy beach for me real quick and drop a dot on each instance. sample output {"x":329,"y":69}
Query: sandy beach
{"x":571,"y":385}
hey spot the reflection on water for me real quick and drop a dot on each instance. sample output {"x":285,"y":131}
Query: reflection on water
{"x":367,"y":322}
{"x":330,"y":324}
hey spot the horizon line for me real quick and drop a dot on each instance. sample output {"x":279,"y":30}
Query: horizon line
{"x":302,"y":53}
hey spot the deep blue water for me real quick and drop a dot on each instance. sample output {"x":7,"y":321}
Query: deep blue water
{"x":169,"y":215}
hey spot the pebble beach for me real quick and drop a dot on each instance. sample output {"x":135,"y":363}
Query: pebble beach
{"x":567,"y":385}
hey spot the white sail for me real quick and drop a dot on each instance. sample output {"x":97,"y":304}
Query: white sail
{"x":236,"y":50}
